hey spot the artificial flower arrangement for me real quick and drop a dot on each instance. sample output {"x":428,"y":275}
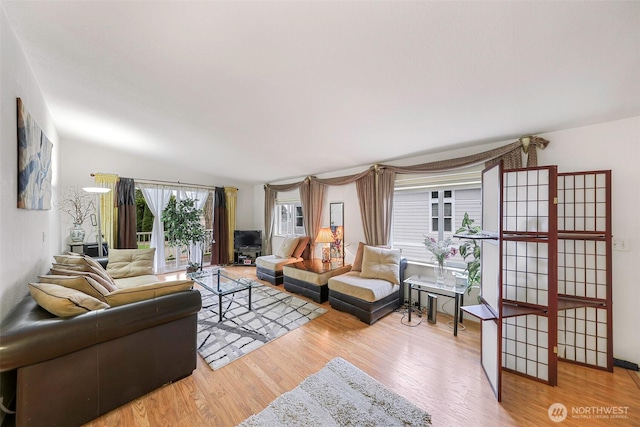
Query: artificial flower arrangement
{"x":441,"y":249}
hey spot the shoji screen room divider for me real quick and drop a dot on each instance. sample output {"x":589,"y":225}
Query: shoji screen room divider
{"x":546,"y":272}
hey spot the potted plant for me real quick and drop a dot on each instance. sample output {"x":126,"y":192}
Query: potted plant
{"x":79,"y":205}
{"x":183,"y":227}
{"x":470,"y":251}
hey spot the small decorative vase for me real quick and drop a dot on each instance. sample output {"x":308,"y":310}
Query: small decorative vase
{"x":77,"y":233}
{"x":440,"y":271}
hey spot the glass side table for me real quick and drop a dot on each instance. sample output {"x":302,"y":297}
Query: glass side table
{"x":424,"y":283}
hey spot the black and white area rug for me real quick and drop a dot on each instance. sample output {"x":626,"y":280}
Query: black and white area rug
{"x":273,"y":314}
{"x":340,"y":394}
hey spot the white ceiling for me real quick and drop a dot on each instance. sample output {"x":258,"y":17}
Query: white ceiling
{"x":288,"y":89}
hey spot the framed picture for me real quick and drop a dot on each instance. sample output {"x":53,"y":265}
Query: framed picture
{"x":34,"y":163}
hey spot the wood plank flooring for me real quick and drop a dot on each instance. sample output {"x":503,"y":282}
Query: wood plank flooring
{"x":426,"y":364}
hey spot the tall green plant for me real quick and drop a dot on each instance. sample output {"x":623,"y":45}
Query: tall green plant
{"x":182,"y":225}
{"x":470,"y":251}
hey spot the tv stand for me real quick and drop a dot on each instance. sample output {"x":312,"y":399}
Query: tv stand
{"x":246,"y":255}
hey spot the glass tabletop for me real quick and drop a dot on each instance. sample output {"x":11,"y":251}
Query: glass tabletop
{"x":220,"y":281}
{"x":429,"y":282}
{"x":317,"y":266}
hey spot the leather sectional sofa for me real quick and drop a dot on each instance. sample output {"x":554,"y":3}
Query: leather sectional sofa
{"x":71,"y":370}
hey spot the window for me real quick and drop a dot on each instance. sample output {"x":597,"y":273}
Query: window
{"x":442,"y":211}
{"x":433,"y":206}
{"x":289,"y":219}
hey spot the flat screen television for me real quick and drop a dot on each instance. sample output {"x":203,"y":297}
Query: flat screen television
{"x":242,"y":238}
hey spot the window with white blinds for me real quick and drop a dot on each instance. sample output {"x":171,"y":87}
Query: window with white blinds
{"x":289,"y":218}
{"x":433,"y":206}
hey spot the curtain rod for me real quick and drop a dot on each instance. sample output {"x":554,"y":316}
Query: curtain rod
{"x":176,"y":183}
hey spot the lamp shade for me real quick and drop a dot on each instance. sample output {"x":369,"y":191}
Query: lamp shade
{"x":96,"y":189}
{"x":325,"y":236}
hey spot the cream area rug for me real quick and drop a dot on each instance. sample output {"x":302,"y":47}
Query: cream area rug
{"x":339,"y":395}
{"x":273,"y":313}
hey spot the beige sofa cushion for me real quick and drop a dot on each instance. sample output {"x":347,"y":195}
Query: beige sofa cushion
{"x":302,"y":245}
{"x":272,"y":262}
{"x":287,"y":247}
{"x":130,"y":262}
{"x":145,"y":292}
{"x":84,"y":284}
{"x":70,"y":259}
{"x":357,"y":261}
{"x":381,"y":263}
{"x":106,"y":283}
{"x":62,"y":301}
{"x":72,"y":266}
{"x":129,"y":282}
{"x":369,"y":290}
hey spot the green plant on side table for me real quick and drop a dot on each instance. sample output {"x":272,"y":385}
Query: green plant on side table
{"x":470,"y":251}
{"x":183,"y":227}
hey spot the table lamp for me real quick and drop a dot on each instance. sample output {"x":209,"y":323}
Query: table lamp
{"x":325,"y":236}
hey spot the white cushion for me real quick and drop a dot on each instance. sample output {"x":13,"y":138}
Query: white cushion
{"x":381,"y":263}
{"x":130,"y":262}
{"x":274,"y":263}
{"x":369,"y":290}
{"x":287,"y":247}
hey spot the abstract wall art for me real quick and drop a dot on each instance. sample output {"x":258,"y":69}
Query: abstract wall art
{"x":34,"y":163}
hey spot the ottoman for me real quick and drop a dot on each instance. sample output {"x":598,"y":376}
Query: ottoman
{"x":310,"y":277}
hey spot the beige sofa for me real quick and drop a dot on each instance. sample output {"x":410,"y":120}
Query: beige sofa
{"x":373,"y":288}
{"x":271,"y":267}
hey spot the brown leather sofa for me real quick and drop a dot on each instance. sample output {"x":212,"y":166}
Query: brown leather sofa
{"x":69,"y":371}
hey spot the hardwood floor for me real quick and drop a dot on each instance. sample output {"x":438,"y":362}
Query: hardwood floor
{"x":426,"y":364}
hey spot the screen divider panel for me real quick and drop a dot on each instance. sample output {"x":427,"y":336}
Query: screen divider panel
{"x":584,"y":269}
{"x":546,"y":280}
{"x":529,"y":272}
{"x":490,"y":286}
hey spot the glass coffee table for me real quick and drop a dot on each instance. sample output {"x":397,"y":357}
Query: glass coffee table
{"x":221,"y":282}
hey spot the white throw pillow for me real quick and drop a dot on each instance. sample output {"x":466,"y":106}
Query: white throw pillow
{"x":287,"y":247}
{"x":381,"y":263}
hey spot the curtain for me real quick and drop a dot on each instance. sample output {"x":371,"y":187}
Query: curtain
{"x":108,"y":212}
{"x":157,"y":198}
{"x":127,"y":225}
{"x":231,"y":197}
{"x":312,"y":196}
{"x":384,"y":205}
{"x":375,"y":186}
{"x":270,"y":194}
{"x":220,"y":249}
{"x":200,"y":197}
{"x":269,"y":220}
{"x":510,"y":154}
{"x":366,"y":190}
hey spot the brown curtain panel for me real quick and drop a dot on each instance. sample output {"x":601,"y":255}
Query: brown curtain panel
{"x":220,"y":246}
{"x":127,"y":224}
{"x":312,"y":197}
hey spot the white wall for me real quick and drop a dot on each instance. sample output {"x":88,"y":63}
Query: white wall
{"x":613,"y":145}
{"x":28,"y":238}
